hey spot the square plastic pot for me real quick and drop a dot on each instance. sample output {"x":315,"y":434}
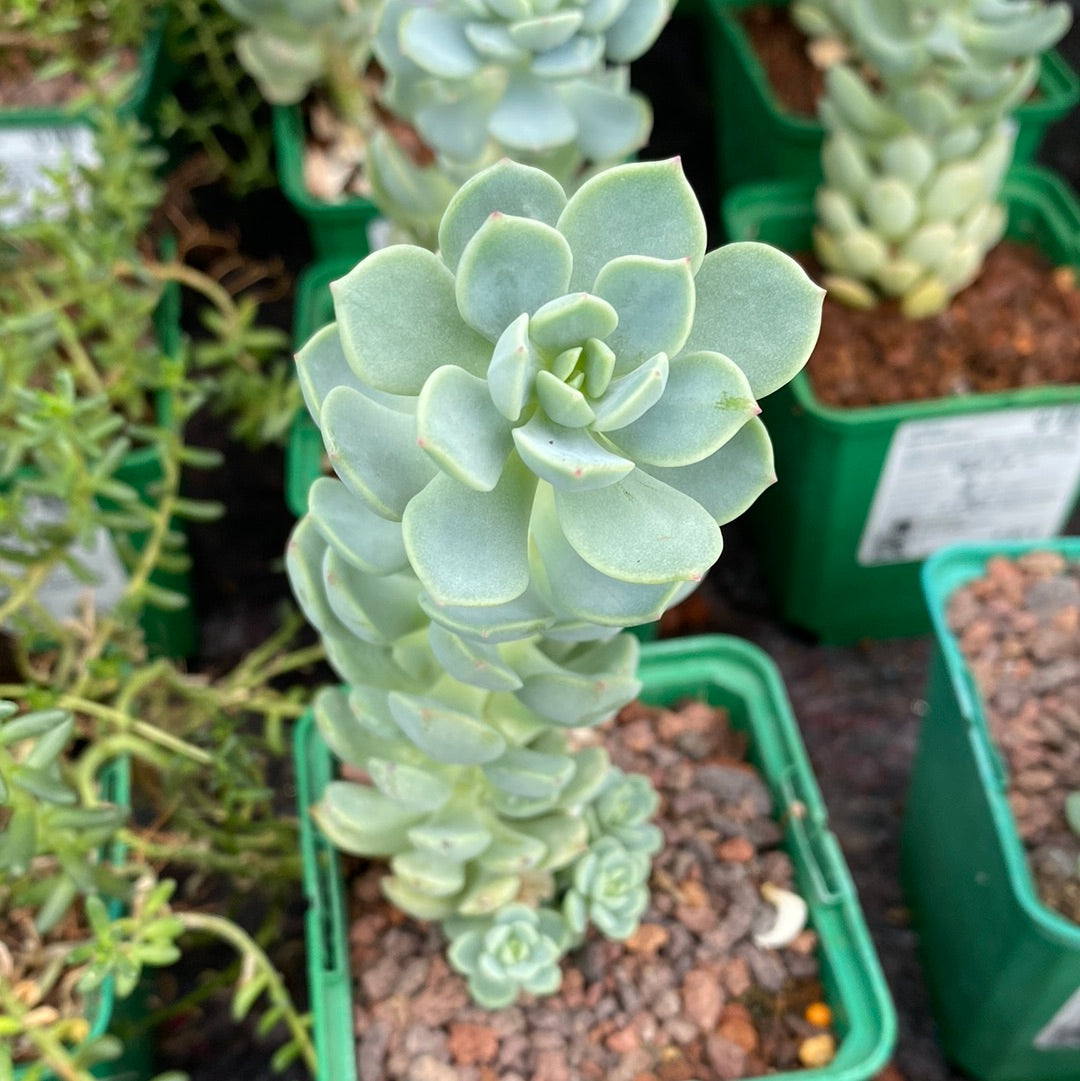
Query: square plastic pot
{"x":103,"y":1008}
{"x":724,"y":672}
{"x":822,"y":553}
{"x":758,"y":138}
{"x":1003,"y":969}
{"x":339,"y":229}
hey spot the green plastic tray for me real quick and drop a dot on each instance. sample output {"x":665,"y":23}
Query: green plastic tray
{"x":336,"y":229}
{"x":757,"y":138}
{"x":724,"y":672}
{"x":999,"y":964}
{"x":829,"y":460}
{"x":103,"y":1009}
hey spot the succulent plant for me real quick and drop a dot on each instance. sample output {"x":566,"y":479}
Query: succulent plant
{"x":536,"y":443}
{"x":610,"y":890}
{"x":531,"y":76}
{"x":517,"y":950}
{"x":292,"y":45}
{"x":918,"y":141}
{"x":621,"y":809}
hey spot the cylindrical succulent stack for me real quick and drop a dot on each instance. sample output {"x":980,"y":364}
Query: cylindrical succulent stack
{"x":537,"y":434}
{"x":918,"y":140}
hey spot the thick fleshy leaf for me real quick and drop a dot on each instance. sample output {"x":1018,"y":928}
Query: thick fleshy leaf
{"x":532,"y":116}
{"x":372,"y":710}
{"x":362,"y":820}
{"x":571,"y":320}
{"x":585,"y":592}
{"x":644,"y":208}
{"x":640,"y":530}
{"x":537,"y":35}
{"x":475,"y":663}
{"x":358,"y":662}
{"x":612,"y":123}
{"x":756,"y":305}
{"x":408,"y":785}
{"x":524,"y":616}
{"x":654,"y":299}
{"x":567,"y":457}
{"x":322,"y":365}
{"x":447,"y":734}
{"x":345,"y":735}
{"x":377,"y":609}
{"x":507,"y":188}
{"x":303,"y":564}
{"x":577,"y":700}
{"x":436,"y":41}
{"x":369,"y":542}
{"x":628,"y":398}
{"x":514,"y":366}
{"x":455,"y":835}
{"x":565,"y":837}
{"x":600,"y":14}
{"x":706,"y":401}
{"x":399,"y":320}
{"x":591,"y":766}
{"x":428,"y":873}
{"x":494,"y":41}
{"x":373,"y":450}
{"x":562,"y":403}
{"x":598,"y":364}
{"x":524,"y":772}
{"x":456,"y":128}
{"x":636,"y":29}
{"x":511,"y":265}
{"x":420,"y":905}
{"x":488,"y":893}
{"x":573,"y":59}
{"x":458,"y":425}
{"x":728,"y":481}
{"x":470,"y":548}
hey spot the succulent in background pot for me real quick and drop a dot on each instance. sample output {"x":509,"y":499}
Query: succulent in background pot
{"x":537,"y":444}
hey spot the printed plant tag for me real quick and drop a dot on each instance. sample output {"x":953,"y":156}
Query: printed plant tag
{"x":27,"y":158}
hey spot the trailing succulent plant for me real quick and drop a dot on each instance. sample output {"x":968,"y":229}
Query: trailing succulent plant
{"x":541,"y":81}
{"x":918,"y":140}
{"x":536,"y":444}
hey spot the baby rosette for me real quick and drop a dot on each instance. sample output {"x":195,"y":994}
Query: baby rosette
{"x":548,"y":421}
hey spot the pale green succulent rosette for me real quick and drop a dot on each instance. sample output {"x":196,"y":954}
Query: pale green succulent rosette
{"x":292,"y":45}
{"x":560,"y":409}
{"x":914,"y":164}
{"x":537,"y":434}
{"x":609,"y":890}
{"x":520,"y":73}
{"x":517,"y":951}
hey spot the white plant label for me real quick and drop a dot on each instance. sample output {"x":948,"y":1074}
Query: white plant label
{"x":62,"y":593}
{"x":1063,"y":1029}
{"x":1007,"y":474}
{"x":28,"y":157}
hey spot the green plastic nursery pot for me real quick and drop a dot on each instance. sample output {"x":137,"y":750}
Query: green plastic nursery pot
{"x":724,"y":672}
{"x":757,"y":138}
{"x":314,"y":309}
{"x":866,"y":494}
{"x":336,"y":229}
{"x":1003,"y":969}
{"x":34,"y":140}
{"x":104,"y":1012}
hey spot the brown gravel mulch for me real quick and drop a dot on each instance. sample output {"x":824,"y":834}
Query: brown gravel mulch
{"x":781,"y":47}
{"x":689,"y":995}
{"x":1017,"y":325}
{"x":1019,"y":629}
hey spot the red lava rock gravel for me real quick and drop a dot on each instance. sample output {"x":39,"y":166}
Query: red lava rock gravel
{"x":689,"y":995}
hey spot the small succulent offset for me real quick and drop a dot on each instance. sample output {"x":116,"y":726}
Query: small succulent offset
{"x":918,"y":140}
{"x":536,"y":444}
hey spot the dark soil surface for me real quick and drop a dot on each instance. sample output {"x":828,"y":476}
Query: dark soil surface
{"x":1017,"y":325}
{"x":781,"y":47}
{"x":1019,"y":630}
{"x":690,"y":994}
